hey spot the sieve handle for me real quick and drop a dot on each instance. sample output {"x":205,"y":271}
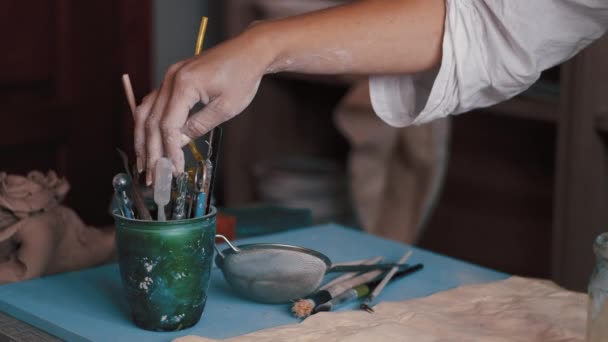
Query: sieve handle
{"x":365,"y":268}
{"x":234,"y":248}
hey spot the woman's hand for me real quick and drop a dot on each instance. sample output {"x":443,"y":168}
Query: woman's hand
{"x":362,"y":37}
{"x":224,"y":78}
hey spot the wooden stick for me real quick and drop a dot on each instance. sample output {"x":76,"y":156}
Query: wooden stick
{"x":126,"y":83}
{"x":138,"y":198}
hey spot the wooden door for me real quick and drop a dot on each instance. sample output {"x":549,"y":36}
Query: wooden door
{"x":61,"y":103}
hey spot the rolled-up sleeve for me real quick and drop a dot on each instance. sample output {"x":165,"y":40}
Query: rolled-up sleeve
{"x":492,"y":50}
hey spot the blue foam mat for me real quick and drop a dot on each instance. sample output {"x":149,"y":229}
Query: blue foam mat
{"x":89,"y":305}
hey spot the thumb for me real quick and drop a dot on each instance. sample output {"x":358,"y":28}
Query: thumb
{"x":204,"y":120}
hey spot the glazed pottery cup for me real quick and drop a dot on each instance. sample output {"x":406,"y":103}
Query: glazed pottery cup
{"x":165,"y":269}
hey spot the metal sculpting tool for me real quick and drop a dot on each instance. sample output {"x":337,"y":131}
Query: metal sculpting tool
{"x":125,"y":161}
{"x":215,"y":139}
{"x":120,"y":207}
{"x":121,"y":183}
{"x":179,"y":207}
{"x":362,"y":290}
{"x":138,"y":198}
{"x":367,"y":304}
{"x":162,"y":186}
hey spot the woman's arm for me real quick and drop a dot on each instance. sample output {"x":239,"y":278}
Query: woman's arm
{"x":367,"y":36}
{"x":382,"y":36}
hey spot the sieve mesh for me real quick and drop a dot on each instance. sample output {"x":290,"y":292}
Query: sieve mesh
{"x":274,"y":273}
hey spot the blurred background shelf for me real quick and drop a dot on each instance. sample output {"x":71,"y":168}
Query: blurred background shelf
{"x":540,"y":102}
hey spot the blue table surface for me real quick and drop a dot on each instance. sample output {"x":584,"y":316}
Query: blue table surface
{"x":89,"y":305}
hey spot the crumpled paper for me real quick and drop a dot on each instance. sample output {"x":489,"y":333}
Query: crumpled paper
{"x":38,"y":235}
{"x":515,"y":309}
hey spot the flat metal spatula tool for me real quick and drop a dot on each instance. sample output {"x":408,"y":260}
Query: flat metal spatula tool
{"x":162,"y":186}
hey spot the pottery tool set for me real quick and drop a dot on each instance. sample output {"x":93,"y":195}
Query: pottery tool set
{"x":262,"y":272}
{"x":176,"y":198}
{"x":278,"y":273}
{"x":358,"y":292}
{"x":188,"y":195}
{"x":338,"y":292}
{"x":185,"y":196}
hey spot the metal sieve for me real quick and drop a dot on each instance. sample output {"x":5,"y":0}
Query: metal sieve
{"x":277,"y":273}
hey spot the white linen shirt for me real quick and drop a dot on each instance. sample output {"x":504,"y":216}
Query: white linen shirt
{"x":492,"y":51}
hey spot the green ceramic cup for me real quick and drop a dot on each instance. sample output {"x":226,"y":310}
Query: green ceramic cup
{"x":165,"y":269}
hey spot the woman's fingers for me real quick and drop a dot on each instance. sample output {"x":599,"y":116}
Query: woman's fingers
{"x":139,"y":135}
{"x":205,"y":120}
{"x":183,"y":97}
{"x":154,"y":139}
{"x":224,"y":78}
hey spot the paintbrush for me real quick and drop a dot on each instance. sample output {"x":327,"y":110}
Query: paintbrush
{"x":350,"y":275}
{"x":303,"y":307}
{"x":197,"y":50}
{"x":367,"y":304}
{"x":362,"y":290}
